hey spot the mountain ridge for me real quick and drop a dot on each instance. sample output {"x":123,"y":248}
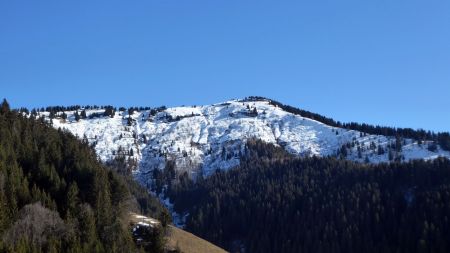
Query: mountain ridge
{"x":201,"y":139}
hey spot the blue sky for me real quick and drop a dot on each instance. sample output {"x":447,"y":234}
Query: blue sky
{"x":381,"y":62}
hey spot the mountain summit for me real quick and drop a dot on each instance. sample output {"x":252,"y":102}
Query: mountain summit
{"x":202,"y":139}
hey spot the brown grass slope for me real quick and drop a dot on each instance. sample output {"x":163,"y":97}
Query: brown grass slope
{"x":179,"y":239}
{"x":189,"y":243}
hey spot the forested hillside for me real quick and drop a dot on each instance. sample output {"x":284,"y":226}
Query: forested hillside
{"x":275,"y":202}
{"x":55,"y":196}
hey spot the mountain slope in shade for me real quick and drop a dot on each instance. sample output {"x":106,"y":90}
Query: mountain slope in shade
{"x":201,"y":139}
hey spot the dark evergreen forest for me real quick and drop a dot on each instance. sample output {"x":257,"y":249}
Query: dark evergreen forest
{"x":274,"y":202}
{"x":55,"y":196}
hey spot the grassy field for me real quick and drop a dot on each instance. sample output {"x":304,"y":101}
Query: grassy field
{"x":189,"y":243}
{"x":178,"y":238}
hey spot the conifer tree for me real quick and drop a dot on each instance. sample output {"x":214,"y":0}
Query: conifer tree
{"x":77,"y":116}
{"x":51,"y":114}
{"x":380,"y":150}
{"x":398,"y":144}
{"x":83,"y":114}
{"x":4,"y":108}
{"x":72,"y":199}
{"x":109,"y":111}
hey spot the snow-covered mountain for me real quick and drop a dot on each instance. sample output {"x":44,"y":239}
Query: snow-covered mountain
{"x":201,"y":139}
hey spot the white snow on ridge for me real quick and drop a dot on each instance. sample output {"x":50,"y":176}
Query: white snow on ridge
{"x":202,"y":139}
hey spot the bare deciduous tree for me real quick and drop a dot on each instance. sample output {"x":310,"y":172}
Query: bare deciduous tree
{"x":36,"y":225}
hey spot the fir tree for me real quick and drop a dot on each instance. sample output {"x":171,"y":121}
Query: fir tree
{"x":129,"y":121}
{"x":380,"y":150}
{"x":4,"y":108}
{"x":77,"y":116}
{"x":83,"y":114}
{"x":109,"y":111}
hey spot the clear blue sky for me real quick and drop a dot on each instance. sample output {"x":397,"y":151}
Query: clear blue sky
{"x":381,"y":62}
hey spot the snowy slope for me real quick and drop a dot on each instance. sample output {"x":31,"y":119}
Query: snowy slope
{"x":201,"y":139}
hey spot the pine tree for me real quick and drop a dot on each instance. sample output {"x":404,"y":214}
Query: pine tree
{"x":72,"y":200}
{"x":4,"y":108}
{"x":391,"y":155}
{"x":165,"y":218}
{"x":3,"y":205}
{"x":83,"y":114}
{"x":224,"y":153}
{"x":254,"y":112}
{"x":109,"y":111}
{"x":131,"y":111}
{"x":432,"y":147}
{"x":398,"y":144}
{"x":343,"y":152}
{"x":87,"y":225}
{"x":51,"y":114}
{"x":380,"y":150}
{"x":77,"y":116}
